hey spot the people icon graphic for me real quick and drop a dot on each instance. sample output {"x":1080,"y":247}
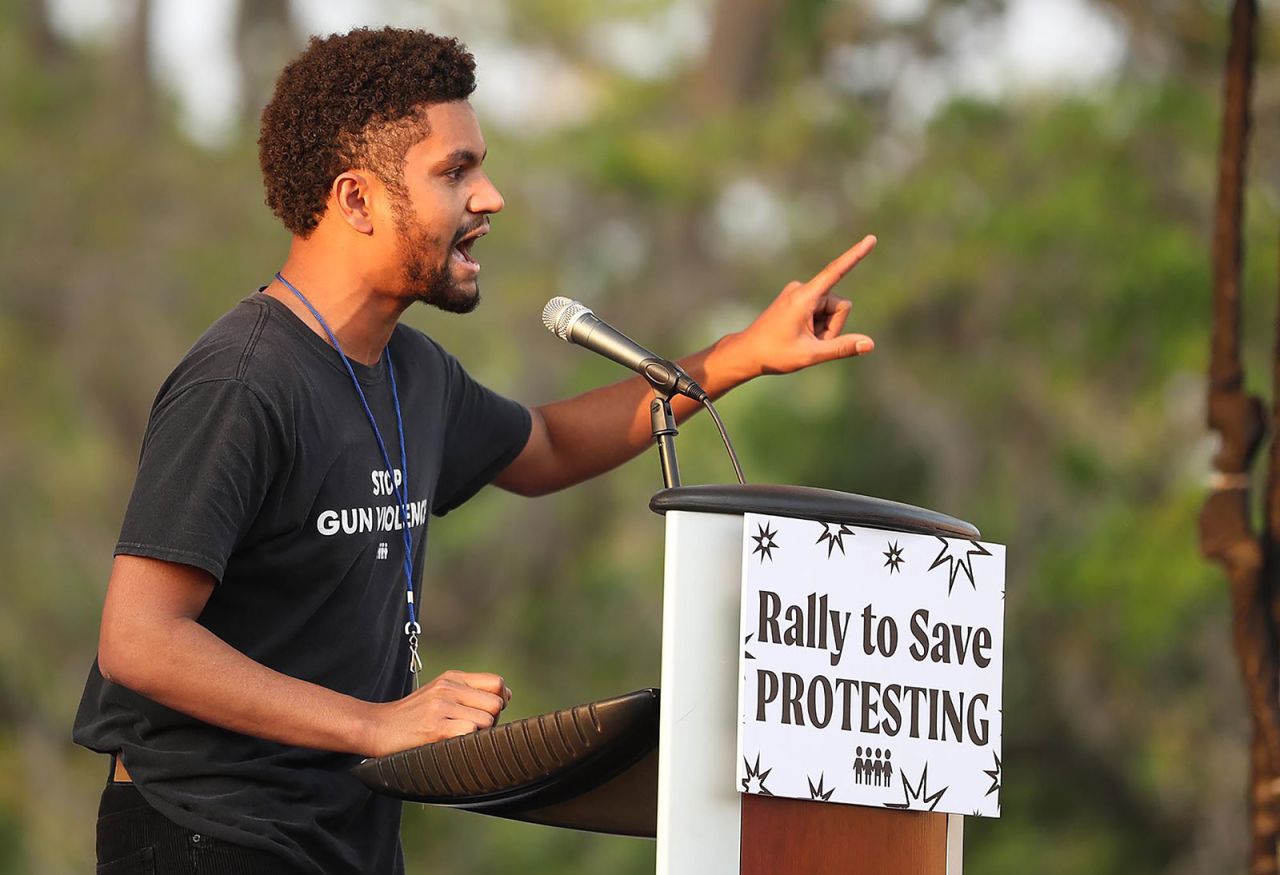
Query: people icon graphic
{"x":873,"y":767}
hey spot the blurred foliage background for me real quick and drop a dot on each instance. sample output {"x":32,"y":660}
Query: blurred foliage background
{"x":1039,"y":298}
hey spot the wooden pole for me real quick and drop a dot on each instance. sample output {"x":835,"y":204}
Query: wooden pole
{"x":1226,"y":529}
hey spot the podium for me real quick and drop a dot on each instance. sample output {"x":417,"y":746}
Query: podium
{"x":664,"y":764}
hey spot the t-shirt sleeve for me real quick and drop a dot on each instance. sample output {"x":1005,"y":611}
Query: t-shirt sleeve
{"x":206,"y":465}
{"x":485,"y":433}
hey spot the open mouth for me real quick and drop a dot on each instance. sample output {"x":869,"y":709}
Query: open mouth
{"x":462,"y":252}
{"x":462,"y":249}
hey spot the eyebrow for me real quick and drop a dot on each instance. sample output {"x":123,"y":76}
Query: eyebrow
{"x":461,"y":156}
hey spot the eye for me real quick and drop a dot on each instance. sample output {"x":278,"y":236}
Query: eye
{"x":456,"y":173}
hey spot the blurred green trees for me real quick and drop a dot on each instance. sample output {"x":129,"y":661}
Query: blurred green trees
{"x":1040,"y":302}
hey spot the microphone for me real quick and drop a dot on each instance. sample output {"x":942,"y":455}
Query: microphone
{"x":573,"y":322}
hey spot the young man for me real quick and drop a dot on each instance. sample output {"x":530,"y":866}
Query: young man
{"x":258,"y":629}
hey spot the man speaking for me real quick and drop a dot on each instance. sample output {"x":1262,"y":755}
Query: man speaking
{"x":260,"y":630}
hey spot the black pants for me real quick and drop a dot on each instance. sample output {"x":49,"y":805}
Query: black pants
{"x":135,"y":839}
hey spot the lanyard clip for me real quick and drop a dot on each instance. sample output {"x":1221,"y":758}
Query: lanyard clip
{"x":411,"y":630}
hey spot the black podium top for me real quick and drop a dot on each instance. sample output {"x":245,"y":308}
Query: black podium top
{"x":811,"y":503}
{"x":591,"y":767}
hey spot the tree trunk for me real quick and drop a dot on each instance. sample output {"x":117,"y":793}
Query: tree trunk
{"x":736,"y":63}
{"x":265,"y":40}
{"x":45,"y":46}
{"x":135,"y":71}
{"x":1226,"y":529}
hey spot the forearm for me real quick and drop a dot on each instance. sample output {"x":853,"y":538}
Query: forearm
{"x":599,"y":430}
{"x":579,"y":438}
{"x":184,"y":666}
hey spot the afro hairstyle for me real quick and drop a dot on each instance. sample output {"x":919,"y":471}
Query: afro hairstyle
{"x":353,"y":100}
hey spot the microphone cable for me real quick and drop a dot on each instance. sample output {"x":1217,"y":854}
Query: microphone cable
{"x":728,"y":444}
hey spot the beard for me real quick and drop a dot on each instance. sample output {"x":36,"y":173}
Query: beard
{"x":427,"y":280}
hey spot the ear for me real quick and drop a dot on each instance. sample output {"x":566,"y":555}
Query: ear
{"x":351,"y":197}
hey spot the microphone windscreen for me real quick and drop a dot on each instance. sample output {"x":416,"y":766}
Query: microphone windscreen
{"x":560,"y":314}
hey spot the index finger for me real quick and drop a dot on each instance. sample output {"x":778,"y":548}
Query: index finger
{"x":480,"y":700}
{"x":480,"y":680}
{"x":843,"y":263}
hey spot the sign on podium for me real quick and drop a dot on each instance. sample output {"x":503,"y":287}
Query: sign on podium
{"x":871,"y":666}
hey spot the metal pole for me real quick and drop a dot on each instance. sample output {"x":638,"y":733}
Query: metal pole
{"x":664,"y":433}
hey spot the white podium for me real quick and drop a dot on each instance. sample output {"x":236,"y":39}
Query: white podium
{"x":706,"y":827}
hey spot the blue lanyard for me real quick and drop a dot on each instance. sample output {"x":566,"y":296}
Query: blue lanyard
{"x":411,"y":628}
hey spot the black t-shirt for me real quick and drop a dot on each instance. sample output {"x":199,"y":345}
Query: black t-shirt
{"x":260,"y":467}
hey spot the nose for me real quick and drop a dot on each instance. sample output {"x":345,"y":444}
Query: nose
{"x":486,"y":198}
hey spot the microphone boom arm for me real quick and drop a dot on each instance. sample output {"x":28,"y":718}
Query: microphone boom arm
{"x":664,"y":434}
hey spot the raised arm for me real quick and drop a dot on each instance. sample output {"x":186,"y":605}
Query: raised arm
{"x":578,"y":438}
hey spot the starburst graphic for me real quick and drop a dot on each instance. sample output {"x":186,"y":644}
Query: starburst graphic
{"x":819,"y":792}
{"x":765,"y":543}
{"x":754,"y":773}
{"x":833,"y":539}
{"x":994,"y":775}
{"x":893,"y":557}
{"x":919,"y":793}
{"x":958,"y":563}
{"x":746,"y":641}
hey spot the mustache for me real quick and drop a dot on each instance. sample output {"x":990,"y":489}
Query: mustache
{"x":463,"y":232}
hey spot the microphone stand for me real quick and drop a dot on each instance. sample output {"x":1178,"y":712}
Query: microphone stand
{"x":664,"y":434}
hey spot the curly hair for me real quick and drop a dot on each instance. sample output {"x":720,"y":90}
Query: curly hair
{"x":353,"y":100}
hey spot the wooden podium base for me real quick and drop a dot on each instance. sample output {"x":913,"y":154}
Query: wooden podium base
{"x":808,"y":838}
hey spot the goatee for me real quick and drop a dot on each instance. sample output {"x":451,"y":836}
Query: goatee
{"x":435,"y":285}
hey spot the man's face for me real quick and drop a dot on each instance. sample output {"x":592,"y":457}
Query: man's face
{"x":444,"y":209}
